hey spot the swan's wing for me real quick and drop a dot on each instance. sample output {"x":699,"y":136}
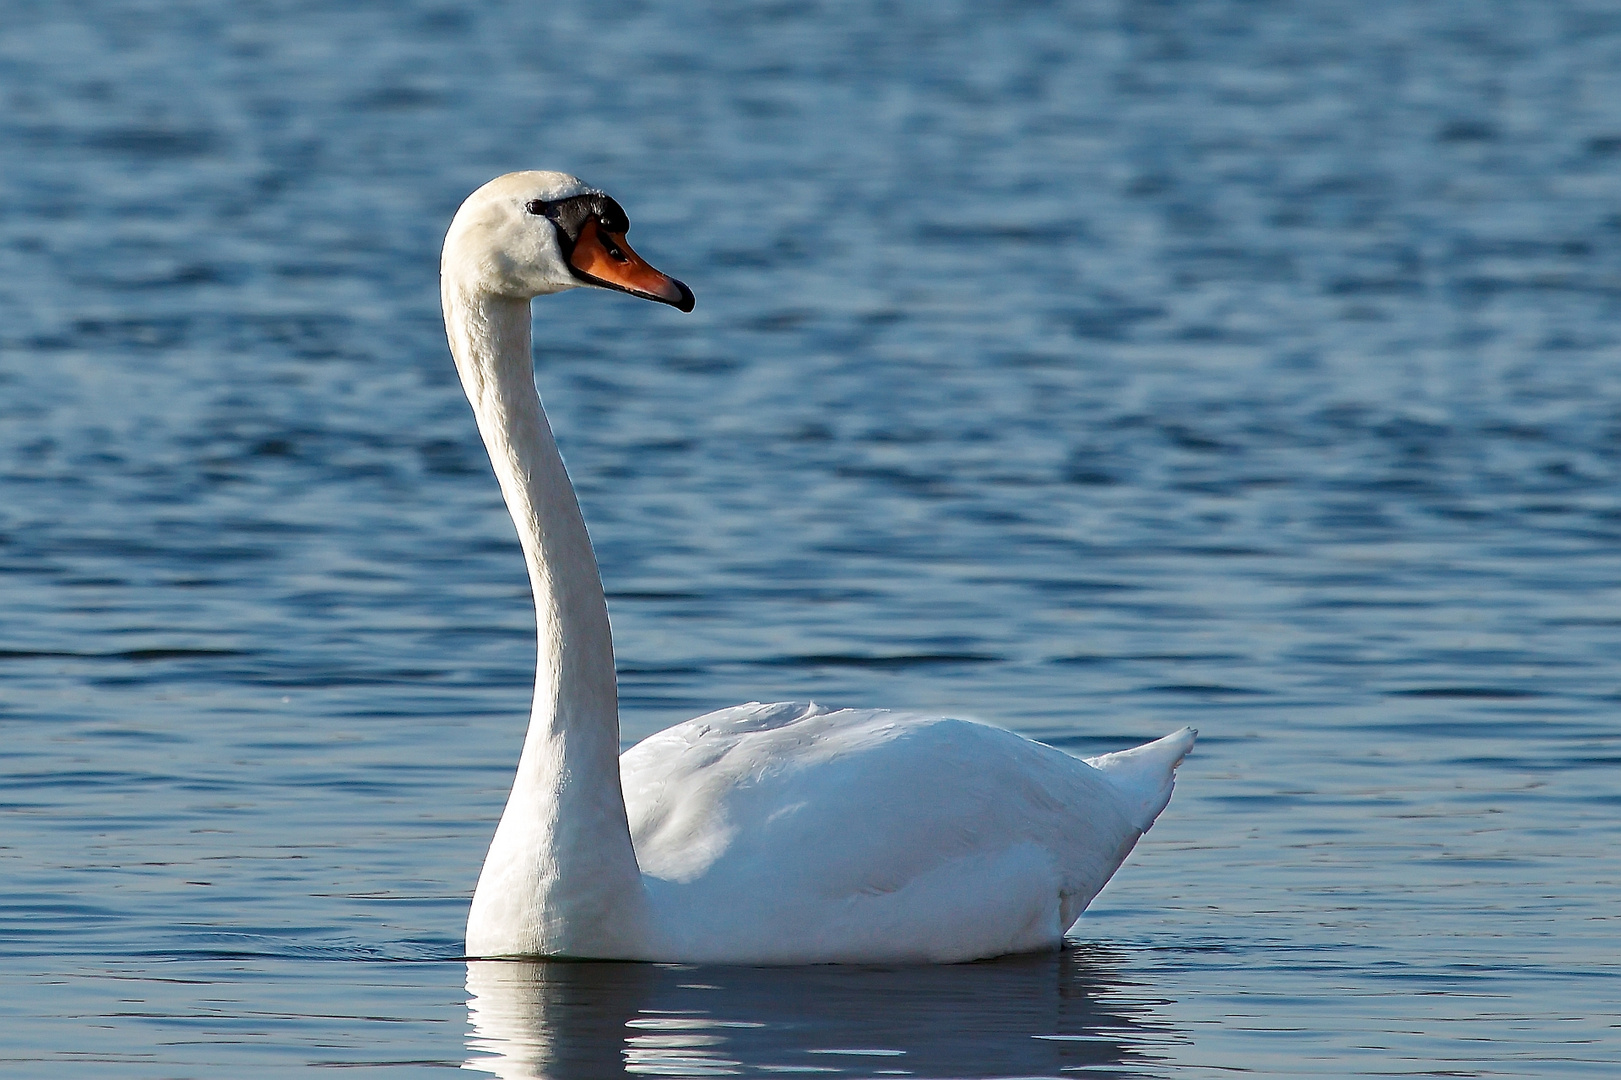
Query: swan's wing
{"x":791,"y":834}
{"x":809,"y":810}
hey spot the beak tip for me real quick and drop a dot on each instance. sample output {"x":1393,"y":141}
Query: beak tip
{"x":686,"y":302}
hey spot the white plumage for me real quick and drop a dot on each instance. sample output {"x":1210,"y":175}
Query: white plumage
{"x":790,"y":833}
{"x":782,"y":833}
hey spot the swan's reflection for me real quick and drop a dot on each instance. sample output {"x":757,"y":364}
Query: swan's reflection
{"x":1022,"y":1016}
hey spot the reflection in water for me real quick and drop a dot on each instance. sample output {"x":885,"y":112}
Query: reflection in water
{"x":1022,"y":1016}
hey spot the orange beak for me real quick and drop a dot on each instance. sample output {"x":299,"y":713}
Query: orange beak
{"x":603,"y":258}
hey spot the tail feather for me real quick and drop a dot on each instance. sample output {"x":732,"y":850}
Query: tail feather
{"x":1146,"y":774}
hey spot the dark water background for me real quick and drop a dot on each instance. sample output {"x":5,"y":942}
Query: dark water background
{"x":1089,"y":368}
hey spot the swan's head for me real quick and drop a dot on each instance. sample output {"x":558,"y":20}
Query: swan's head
{"x":530,"y":233}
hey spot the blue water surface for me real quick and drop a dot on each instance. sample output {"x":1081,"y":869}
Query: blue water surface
{"x":1087,"y":368}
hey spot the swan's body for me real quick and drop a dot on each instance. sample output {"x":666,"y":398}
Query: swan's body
{"x":781,"y":833}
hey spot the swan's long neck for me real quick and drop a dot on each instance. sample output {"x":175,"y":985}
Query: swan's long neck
{"x":561,"y":875}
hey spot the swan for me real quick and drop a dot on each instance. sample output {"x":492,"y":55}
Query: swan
{"x":781,"y":833}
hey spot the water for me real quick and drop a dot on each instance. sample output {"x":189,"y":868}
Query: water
{"x":1091,"y":369}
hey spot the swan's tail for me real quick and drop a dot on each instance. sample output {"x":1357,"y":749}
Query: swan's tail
{"x":1146,"y":774}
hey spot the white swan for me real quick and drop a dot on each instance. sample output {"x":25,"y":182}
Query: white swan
{"x":778,"y":834}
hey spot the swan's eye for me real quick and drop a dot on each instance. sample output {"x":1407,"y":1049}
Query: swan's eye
{"x":535,"y":206}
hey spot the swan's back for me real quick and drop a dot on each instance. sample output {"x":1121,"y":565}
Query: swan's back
{"x":792,"y":833}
